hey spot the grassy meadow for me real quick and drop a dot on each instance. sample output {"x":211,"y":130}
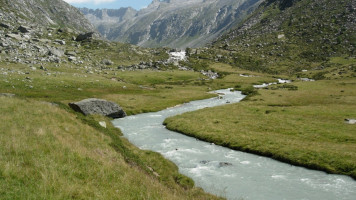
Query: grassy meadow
{"x":303,"y":126}
{"x":48,"y":152}
{"x":135,"y":91}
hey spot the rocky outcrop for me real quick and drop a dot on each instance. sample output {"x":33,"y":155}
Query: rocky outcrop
{"x":105,"y":19}
{"x":311,"y":30}
{"x":84,"y":36}
{"x":42,"y":13}
{"x":98,"y":106}
{"x":172,"y":23}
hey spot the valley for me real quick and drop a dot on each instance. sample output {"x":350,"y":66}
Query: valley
{"x":49,"y":151}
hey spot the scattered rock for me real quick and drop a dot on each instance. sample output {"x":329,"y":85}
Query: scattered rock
{"x":281,"y":36}
{"x":14,"y":36}
{"x":107,"y":62}
{"x":24,"y":29}
{"x":306,"y":79}
{"x":71,"y":53}
{"x":350,"y":121}
{"x":204,"y":162}
{"x":6,"y":95}
{"x":102,"y":124}
{"x":72,"y":58}
{"x":62,"y":42}
{"x":4,"y":25}
{"x":98,"y":106}
{"x":224,"y":164}
{"x":84,"y":36}
{"x":56,"y":52}
{"x":43,"y":68}
{"x":210,"y":74}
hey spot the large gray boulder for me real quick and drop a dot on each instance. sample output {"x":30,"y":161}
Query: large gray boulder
{"x":24,"y":29}
{"x":84,"y":36}
{"x":56,"y":52}
{"x":98,"y":106}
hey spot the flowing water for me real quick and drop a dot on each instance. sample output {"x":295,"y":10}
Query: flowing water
{"x":228,"y":173}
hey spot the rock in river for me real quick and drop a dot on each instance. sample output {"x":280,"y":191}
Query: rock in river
{"x":98,"y":106}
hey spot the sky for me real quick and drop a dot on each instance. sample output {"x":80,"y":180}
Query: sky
{"x":113,"y":4}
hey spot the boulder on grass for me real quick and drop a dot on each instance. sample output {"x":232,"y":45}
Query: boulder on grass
{"x":84,"y":36}
{"x":98,"y":106}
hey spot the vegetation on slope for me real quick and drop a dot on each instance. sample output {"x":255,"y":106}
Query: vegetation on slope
{"x":281,"y":37}
{"x":300,"y":123}
{"x":49,"y":153}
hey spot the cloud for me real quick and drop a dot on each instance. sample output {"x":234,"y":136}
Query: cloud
{"x":89,"y":1}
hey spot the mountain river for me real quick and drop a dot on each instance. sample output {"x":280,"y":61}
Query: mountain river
{"x":229,"y":173}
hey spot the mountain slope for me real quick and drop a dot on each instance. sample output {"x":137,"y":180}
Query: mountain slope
{"x":44,"y":13}
{"x":290,"y":36}
{"x":173,"y":23}
{"x":105,"y":19}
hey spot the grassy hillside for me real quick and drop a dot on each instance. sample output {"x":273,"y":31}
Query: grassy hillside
{"x":49,"y":153}
{"x":290,"y":36}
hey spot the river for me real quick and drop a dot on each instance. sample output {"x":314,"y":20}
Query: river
{"x":229,"y":173}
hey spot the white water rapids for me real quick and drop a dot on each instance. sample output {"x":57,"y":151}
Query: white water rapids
{"x":228,"y":173}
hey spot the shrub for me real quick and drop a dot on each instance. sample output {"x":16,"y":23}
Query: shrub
{"x":249,"y":91}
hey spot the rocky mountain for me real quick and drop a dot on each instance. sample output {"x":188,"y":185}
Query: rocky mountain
{"x":292,"y":35}
{"x":55,"y":13}
{"x":106,"y":19}
{"x":173,"y":23}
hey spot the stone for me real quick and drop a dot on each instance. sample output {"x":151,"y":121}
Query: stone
{"x":65,"y":30}
{"x":44,"y":40}
{"x":6,"y":95}
{"x":56,"y":52}
{"x":24,"y":29}
{"x":102,"y":124}
{"x":204,"y":162}
{"x":72,"y":58}
{"x":4,"y":25}
{"x":281,"y":36}
{"x":350,"y":121}
{"x":14,"y":36}
{"x":224,"y":164}
{"x":98,"y":106}
{"x":71,"y":53}
{"x":107,"y":62}
{"x":84,"y":36}
{"x":62,"y":42}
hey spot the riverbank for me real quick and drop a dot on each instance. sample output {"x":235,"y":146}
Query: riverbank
{"x":304,"y":126}
{"x":48,"y":152}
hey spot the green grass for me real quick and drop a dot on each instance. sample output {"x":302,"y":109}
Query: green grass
{"x":48,"y":153}
{"x":304,"y":127}
{"x":136,"y":92}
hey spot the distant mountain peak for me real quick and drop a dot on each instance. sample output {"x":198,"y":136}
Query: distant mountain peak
{"x":173,"y":23}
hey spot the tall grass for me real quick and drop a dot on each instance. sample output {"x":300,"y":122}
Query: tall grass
{"x":48,"y":153}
